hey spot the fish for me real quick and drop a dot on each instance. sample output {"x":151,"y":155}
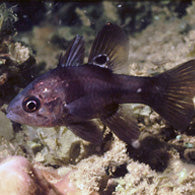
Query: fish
{"x":75,"y":94}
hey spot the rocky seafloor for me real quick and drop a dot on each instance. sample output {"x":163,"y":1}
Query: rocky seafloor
{"x":54,"y":160}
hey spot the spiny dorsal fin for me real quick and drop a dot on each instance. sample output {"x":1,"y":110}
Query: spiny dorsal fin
{"x":74,"y":55}
{"x":175,"y":101}
{"x":110,"y":48}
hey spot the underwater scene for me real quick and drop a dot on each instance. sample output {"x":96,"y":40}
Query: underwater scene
{"x":97,"y":98}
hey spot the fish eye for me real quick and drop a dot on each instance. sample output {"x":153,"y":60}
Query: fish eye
{"x":101,"y":59}
{"x":31,"y":104}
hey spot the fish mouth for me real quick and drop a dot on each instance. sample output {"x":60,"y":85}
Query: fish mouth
{"x":13,"y":109}
{"x":10,"y":115}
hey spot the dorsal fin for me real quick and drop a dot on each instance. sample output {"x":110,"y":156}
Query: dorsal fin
{"x":74,"y":55}
{"x":110,"y":48}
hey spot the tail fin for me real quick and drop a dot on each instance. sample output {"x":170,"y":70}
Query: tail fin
{"x":173,"y":95}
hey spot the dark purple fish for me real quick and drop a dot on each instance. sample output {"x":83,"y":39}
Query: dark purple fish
{"x":73,"y":94}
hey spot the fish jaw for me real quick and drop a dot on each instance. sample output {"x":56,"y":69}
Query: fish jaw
{"x":13,"y":110}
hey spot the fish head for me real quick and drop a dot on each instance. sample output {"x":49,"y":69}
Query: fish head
{"x":40,"y":103}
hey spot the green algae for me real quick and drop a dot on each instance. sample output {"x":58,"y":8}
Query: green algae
{"x":6,"y":130}
{"x":192,"y":52}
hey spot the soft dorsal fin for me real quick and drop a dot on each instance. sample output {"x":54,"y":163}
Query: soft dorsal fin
{"x":74,"y":55}
{"x":110,"y":48}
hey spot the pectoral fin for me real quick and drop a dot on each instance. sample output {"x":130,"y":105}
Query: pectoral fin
{"x":87,"y":107}
{"x":87,"y":130}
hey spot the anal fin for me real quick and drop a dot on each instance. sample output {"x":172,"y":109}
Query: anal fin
{"x":87,"y":130}
{"x":124,"y":125}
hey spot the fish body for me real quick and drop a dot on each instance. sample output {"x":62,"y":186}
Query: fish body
{"x":74,"y":93}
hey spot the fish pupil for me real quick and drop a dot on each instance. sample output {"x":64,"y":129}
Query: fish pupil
{"x":31,"y":104}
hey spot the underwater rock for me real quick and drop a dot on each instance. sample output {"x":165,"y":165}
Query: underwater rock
{"x":18,"y":52}
{"x":16,"y":60}
{"x":55,"y":146}
{"x":16,"y":69}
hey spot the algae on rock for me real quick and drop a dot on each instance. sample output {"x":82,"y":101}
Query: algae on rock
{"x":7,"y":19}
